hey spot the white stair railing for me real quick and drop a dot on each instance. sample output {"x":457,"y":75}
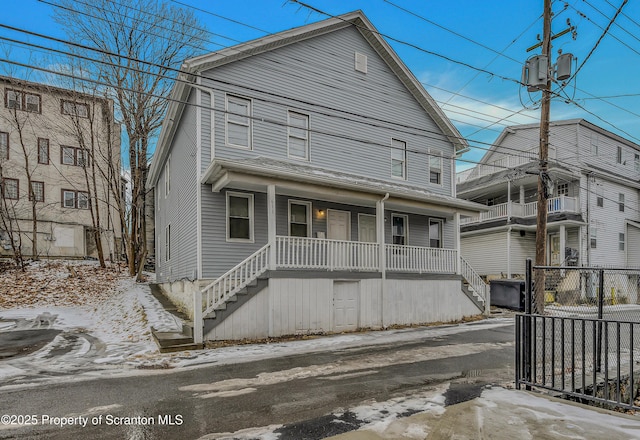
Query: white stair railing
{"x":227,"y":285}
{"x":476,"y":282}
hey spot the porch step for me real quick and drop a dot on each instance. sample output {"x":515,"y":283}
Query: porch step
{"x":175,"y":341}
{"x":472,"y":295}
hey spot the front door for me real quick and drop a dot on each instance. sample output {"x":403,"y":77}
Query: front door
{"x":338,"y":225}
{"x":367,"y":228}
{"x":555,"y":257}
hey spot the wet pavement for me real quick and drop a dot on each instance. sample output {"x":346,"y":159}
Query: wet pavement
{"x":16,"y":343}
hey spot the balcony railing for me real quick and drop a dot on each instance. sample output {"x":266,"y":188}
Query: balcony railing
{"x":513,"y":209}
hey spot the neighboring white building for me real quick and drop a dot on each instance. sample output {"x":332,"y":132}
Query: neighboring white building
{"x":55,"y":140}
{"x":593,"y":211}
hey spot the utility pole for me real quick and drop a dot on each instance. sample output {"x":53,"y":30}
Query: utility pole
{"x":541,"y":224}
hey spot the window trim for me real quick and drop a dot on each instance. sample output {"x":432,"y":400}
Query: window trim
{"x":306,"y":139}
{"x":406,"y":229}
{"x":4,"y":188}
{"x":250,"y":198}
{"x":75,"y":156}
{"x":621,"y":202}
{"x":309,"y":210}
{"x":249,"y":124}
{"x":619,"y":155}
{"x":621,"y":241}
{"x":23,"y":100}
{"x":40,"y":160}
{"x":562,"y":187}
{"x":404,"y":160}
{"x":593,"y":236}
{"x":32,"y":191}
{"x":440,"y":224}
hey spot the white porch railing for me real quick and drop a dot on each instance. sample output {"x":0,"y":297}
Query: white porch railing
{"x":420,"y":259}
{"x":513,"y":209}
{"x":501,"y":164}
{"x":318,"y":253}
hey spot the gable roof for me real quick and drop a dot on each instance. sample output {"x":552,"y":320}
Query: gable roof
{"x":193,"y":67}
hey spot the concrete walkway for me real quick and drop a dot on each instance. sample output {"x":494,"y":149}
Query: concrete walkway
{"x":501,"y":414}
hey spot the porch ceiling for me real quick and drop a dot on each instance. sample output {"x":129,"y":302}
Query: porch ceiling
{"x":305,"y":181}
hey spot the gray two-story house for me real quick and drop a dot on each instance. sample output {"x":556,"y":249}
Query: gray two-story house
{"x":304,"y":183}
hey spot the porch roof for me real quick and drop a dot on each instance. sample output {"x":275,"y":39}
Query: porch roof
{"x":256,"y":173}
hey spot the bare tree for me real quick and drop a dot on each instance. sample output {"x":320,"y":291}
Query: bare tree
{"x":142,"y":42}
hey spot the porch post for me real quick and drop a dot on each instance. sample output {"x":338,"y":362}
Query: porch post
{"x":563,"y":244}
{"x":381,"y":253}
{"x":271,"y":225}
{"x":456,"y":227}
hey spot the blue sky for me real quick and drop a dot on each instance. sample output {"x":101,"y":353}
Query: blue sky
{"x":491,"y":36}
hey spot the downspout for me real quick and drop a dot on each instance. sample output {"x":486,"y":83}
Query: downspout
{"x":382,"y":253}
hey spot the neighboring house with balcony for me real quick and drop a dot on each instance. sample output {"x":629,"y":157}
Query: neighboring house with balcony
{"x":593,"y":213}
{"x":304,"y":183}
{"x":53,"y":141}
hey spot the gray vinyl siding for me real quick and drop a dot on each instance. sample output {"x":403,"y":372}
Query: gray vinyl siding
{"x":633,"y":246}
{"x":487,"y":253}
{"x":606,"y":157}
{"x":179,"y":208}
{"x":321,"y":70}
{"x":207,"y":136}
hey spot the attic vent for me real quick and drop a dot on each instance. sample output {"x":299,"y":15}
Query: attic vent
{"x":361,"y":62}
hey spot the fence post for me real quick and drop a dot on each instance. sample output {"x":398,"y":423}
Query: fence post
{"x":528,"y":302}
{"x":600,"y":316}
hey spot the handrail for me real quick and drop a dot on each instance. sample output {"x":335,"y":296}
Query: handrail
{"x":235,"y":279}
{"x":476,"y":282}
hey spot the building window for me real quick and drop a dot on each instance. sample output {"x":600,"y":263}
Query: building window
{"x":621,"y":241}
{"x":599,"y":196}
{"x":435,"y":233}
{"x":435,"y":168}
{"x":4,"y":145}
{"x":619,"y":155}
{"x":43,"y":151}
{"x":22,"y":101}
{"x":239,"y":122}
{"x":299,"y":219}
{"x":167,"y":243}
{"x":239,"y":216}
{"x":74,"y":156}
{"x":594,"y":145}
{"x":399,"y":224}
{"x":10,"y":188}
{"x":167,"y":177}
{"x":636,"y":162}
{"x":563,"y":189}
{"x":398,"y":158}
{"x":75,"y":109}
{"x":75,"y":199}
{"x":298,"y":135}
{"x":621,"y":202}
{"x":593,"y":236}
{"x":360,"y":62}
{"x":37,"y":189}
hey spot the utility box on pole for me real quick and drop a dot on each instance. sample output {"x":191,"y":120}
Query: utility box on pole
{"x":534,"y":74}
{"x":563,"y":66}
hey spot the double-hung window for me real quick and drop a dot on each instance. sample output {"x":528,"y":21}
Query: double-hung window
{"x":10,"y":188}
{"x":435,"y":167}
{"x":43,"y":151}
{"x":621,"y":241}
{"x":239,"y":122}
{"x":435,"y":233}
{"x":239,"y":217}
{"x":398,"y":158}
{"x":298,"y":135}
{"x":75,"y":199}
{"x":299,"y":219}
{"x":78,"y":109}
{"x":37,"y":191}
{"x":399,"y":224}
{"x":22,"y":101}
{"x":74,"y":156}
{"x":621,"y":202}
{"x":4,"y":145}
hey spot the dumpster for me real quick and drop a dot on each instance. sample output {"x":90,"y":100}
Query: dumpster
{"x":508,"y":294}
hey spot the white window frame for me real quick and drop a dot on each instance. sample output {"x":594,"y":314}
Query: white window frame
{"x":621,"y":202}
{"x":406,"y":229}
{"x":636,"y":162}
{"x":249,"y":197}
{"x":562,"y":189}
{"x":619,"y":155}
{"x":248,"y":125}
{"x":593,"y":236}
{"x":433,"y":155}
{"x":403,"y":152}
{"x":167,"y":177}
{"x":292,"y":135}
{"x":440,"y":224}
{"x":308,"y":207}
{"x":64,"y":198}
{"x":621,"y":241}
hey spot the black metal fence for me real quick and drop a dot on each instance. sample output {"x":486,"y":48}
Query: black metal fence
{"x":579,"y":335}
